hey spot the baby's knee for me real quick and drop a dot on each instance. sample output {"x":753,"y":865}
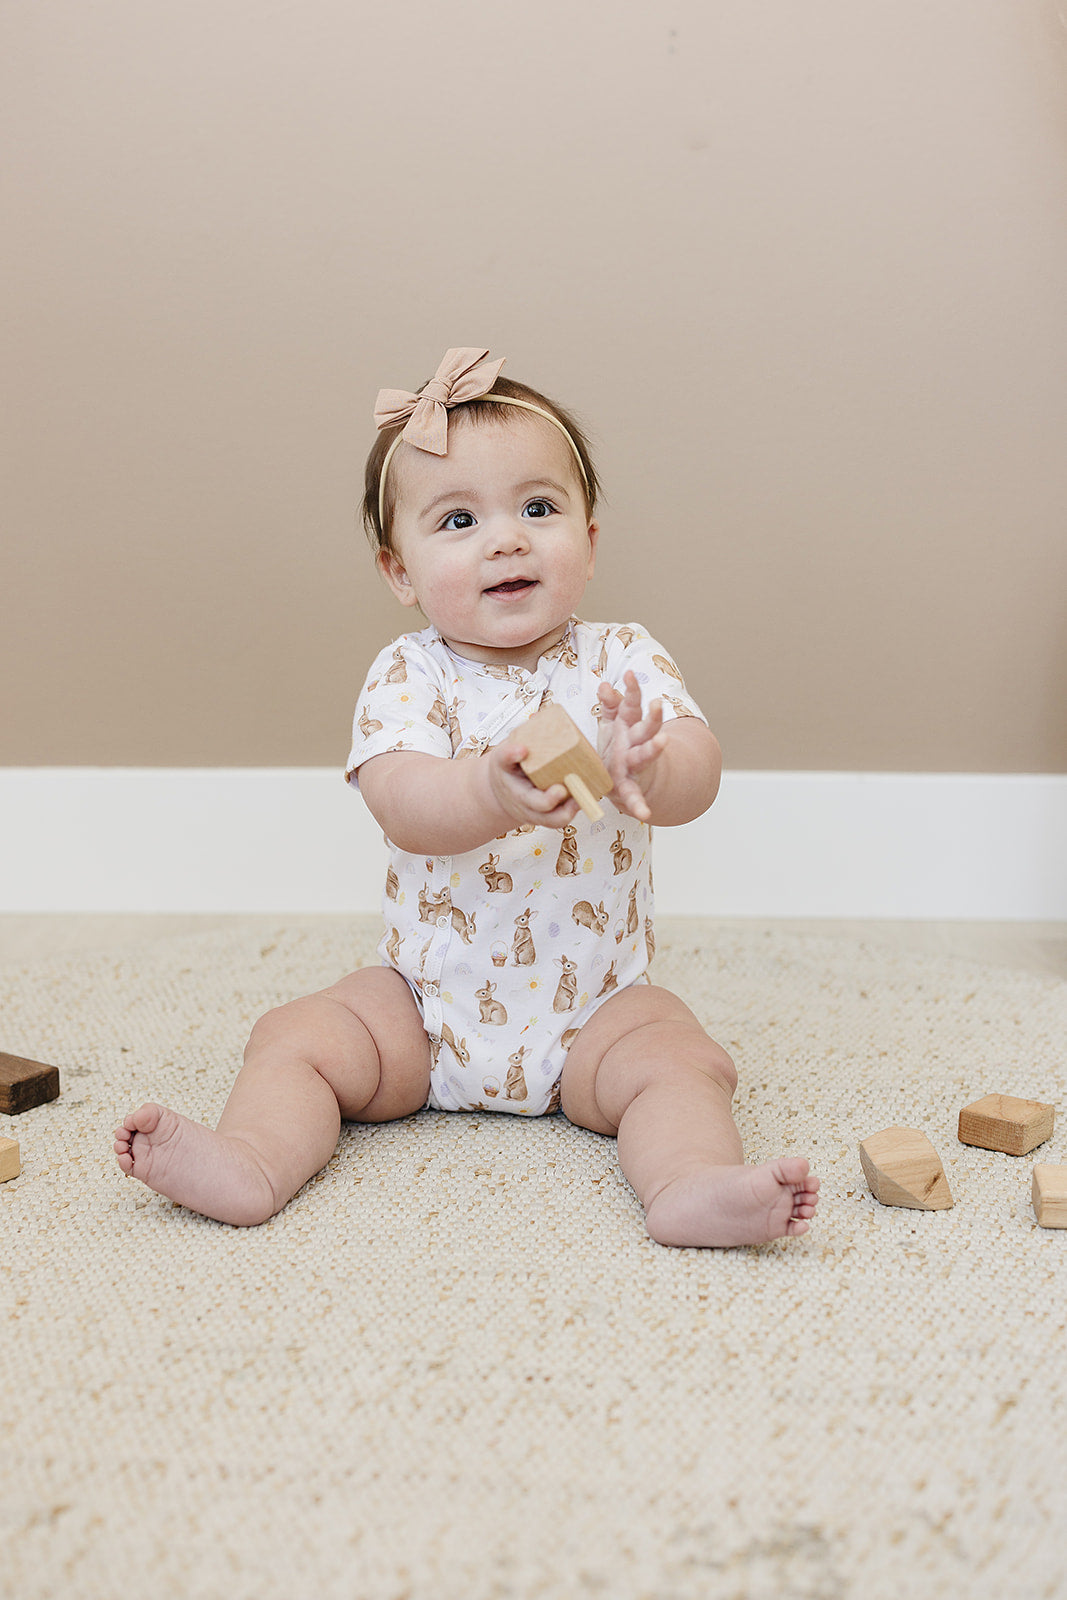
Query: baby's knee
{"x":719,"y":1065}
{"x":676,"y":1049}
{"x":694,"y":1050}
{"x":293,"y":1027}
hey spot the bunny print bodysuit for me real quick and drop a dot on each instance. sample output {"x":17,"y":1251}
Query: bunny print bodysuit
{"x":509,"y":949}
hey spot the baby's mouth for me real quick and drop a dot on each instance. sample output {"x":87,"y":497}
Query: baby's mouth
{"x":512,"y":586}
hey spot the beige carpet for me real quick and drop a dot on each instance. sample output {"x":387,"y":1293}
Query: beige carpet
{"x":456,"y":1366}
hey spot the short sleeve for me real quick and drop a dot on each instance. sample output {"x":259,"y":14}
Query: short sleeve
{"x":400,"y":707}
{"x":631,"y":649}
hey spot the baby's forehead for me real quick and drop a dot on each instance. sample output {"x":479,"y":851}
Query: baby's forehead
{"x":513,"y":446}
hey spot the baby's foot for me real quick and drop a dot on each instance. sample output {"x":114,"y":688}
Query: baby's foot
{"x":735,"y":1205}
{"x":190,"y":1164}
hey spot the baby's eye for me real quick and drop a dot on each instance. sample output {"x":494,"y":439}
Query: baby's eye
{"x":539,"y":508}
{"x":458,"y":521}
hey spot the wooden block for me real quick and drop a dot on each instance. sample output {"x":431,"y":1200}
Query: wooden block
{"x":1050,"y":1196}
{"x":558,"y":752}
{"x":9,"y":1160}
{"x":24,"y":1084}
{"x":902,"y":1168}
{"x":1001,"y":1122}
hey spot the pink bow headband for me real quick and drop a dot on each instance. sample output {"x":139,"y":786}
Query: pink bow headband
{"x":463,"y":375}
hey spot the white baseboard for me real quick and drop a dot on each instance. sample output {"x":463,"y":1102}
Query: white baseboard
{"x":776,"y":844}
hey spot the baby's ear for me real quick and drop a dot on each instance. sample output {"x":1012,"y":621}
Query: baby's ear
{"x":392,"y":570}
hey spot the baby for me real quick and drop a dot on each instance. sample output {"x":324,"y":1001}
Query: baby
{"x":518,"y":934}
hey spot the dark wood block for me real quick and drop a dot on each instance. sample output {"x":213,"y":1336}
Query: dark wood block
{"x":24,"y":1084}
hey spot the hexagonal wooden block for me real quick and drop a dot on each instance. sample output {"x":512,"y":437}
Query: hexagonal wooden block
{"x":10,"y":1166}
{"x":902,"y":1168}
{"x":1002,"y":1122}
{"x":558,"y":752}
{"x":1049,"y":1193}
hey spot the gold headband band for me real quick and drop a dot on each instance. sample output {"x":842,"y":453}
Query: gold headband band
{"x":463,"y":375}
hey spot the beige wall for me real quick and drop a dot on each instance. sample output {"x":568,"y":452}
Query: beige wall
{"x":800,"y":264}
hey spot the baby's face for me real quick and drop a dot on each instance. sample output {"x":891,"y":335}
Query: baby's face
{"x":492,"y":541}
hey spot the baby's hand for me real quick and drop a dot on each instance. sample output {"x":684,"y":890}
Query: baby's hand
{"x":629,"y":744}
{"x":522,"y":800}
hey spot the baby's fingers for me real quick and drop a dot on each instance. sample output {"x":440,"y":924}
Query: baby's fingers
{"x":645,"y":751}
{"x":513,"y":755}
{"x":562,"y":812}
{"x":628,"y":797}
{"x":550,"y":808}
{"x":550,"y":799}
{"x":630,"y":708}
{"x":610,"y":699}
{"x":651,"y":725}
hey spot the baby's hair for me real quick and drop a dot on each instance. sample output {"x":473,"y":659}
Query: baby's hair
{"x":379,"y":528}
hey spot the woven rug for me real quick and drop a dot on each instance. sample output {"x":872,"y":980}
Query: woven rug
{"x":456,"y":1366}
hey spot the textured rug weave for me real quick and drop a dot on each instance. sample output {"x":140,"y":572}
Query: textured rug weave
{"x":456,"y":1366}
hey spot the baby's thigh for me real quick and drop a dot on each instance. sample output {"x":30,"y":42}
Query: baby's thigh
{"x":655,"y":1031}
{"x":380,"y":1000}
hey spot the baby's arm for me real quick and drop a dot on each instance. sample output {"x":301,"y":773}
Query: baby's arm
{"x":664,"y":773}
{"x":429,"y":805}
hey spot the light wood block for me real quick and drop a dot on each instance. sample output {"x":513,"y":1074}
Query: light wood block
{"x":9,"y":1160}
{"x":1001,"y":1122}
{"x":558,"y":752}
{"x":1049,"y":1195}
{"x":24,"y":1084}
{"x":902,"y":1168}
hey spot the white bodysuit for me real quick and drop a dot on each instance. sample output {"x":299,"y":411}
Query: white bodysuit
{"x":510,"y":948}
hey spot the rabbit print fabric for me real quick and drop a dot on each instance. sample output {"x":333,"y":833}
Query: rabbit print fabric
{"x":509,"y":949}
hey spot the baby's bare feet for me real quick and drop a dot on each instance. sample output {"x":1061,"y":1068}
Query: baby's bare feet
{"x":728,"y":1206}
{"x":194,"y":1166}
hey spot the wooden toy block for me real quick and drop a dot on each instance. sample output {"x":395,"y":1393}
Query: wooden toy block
{"x":902,"y":1168}
{"x":558,"y":752}
{"x":9,"y":1160}
{"x":1001,"y":1122}
{"x":24,"y":1084}
{"x":1049,"y":1195}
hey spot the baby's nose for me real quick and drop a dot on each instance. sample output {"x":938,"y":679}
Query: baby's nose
{"x":509,"y":535}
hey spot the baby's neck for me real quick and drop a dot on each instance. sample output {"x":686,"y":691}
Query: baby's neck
{"x":525,"y":657}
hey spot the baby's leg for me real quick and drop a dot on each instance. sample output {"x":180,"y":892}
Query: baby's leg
{"x":644,"y":1069}
{"x":356,"y":1050}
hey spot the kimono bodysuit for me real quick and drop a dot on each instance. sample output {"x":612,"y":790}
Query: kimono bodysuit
{"x":510,"y":948}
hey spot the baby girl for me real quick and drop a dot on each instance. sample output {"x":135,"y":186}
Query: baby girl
{"x":518,"y":932}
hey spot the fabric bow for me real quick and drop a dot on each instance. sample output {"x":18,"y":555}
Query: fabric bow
{"x":462,"y":375}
